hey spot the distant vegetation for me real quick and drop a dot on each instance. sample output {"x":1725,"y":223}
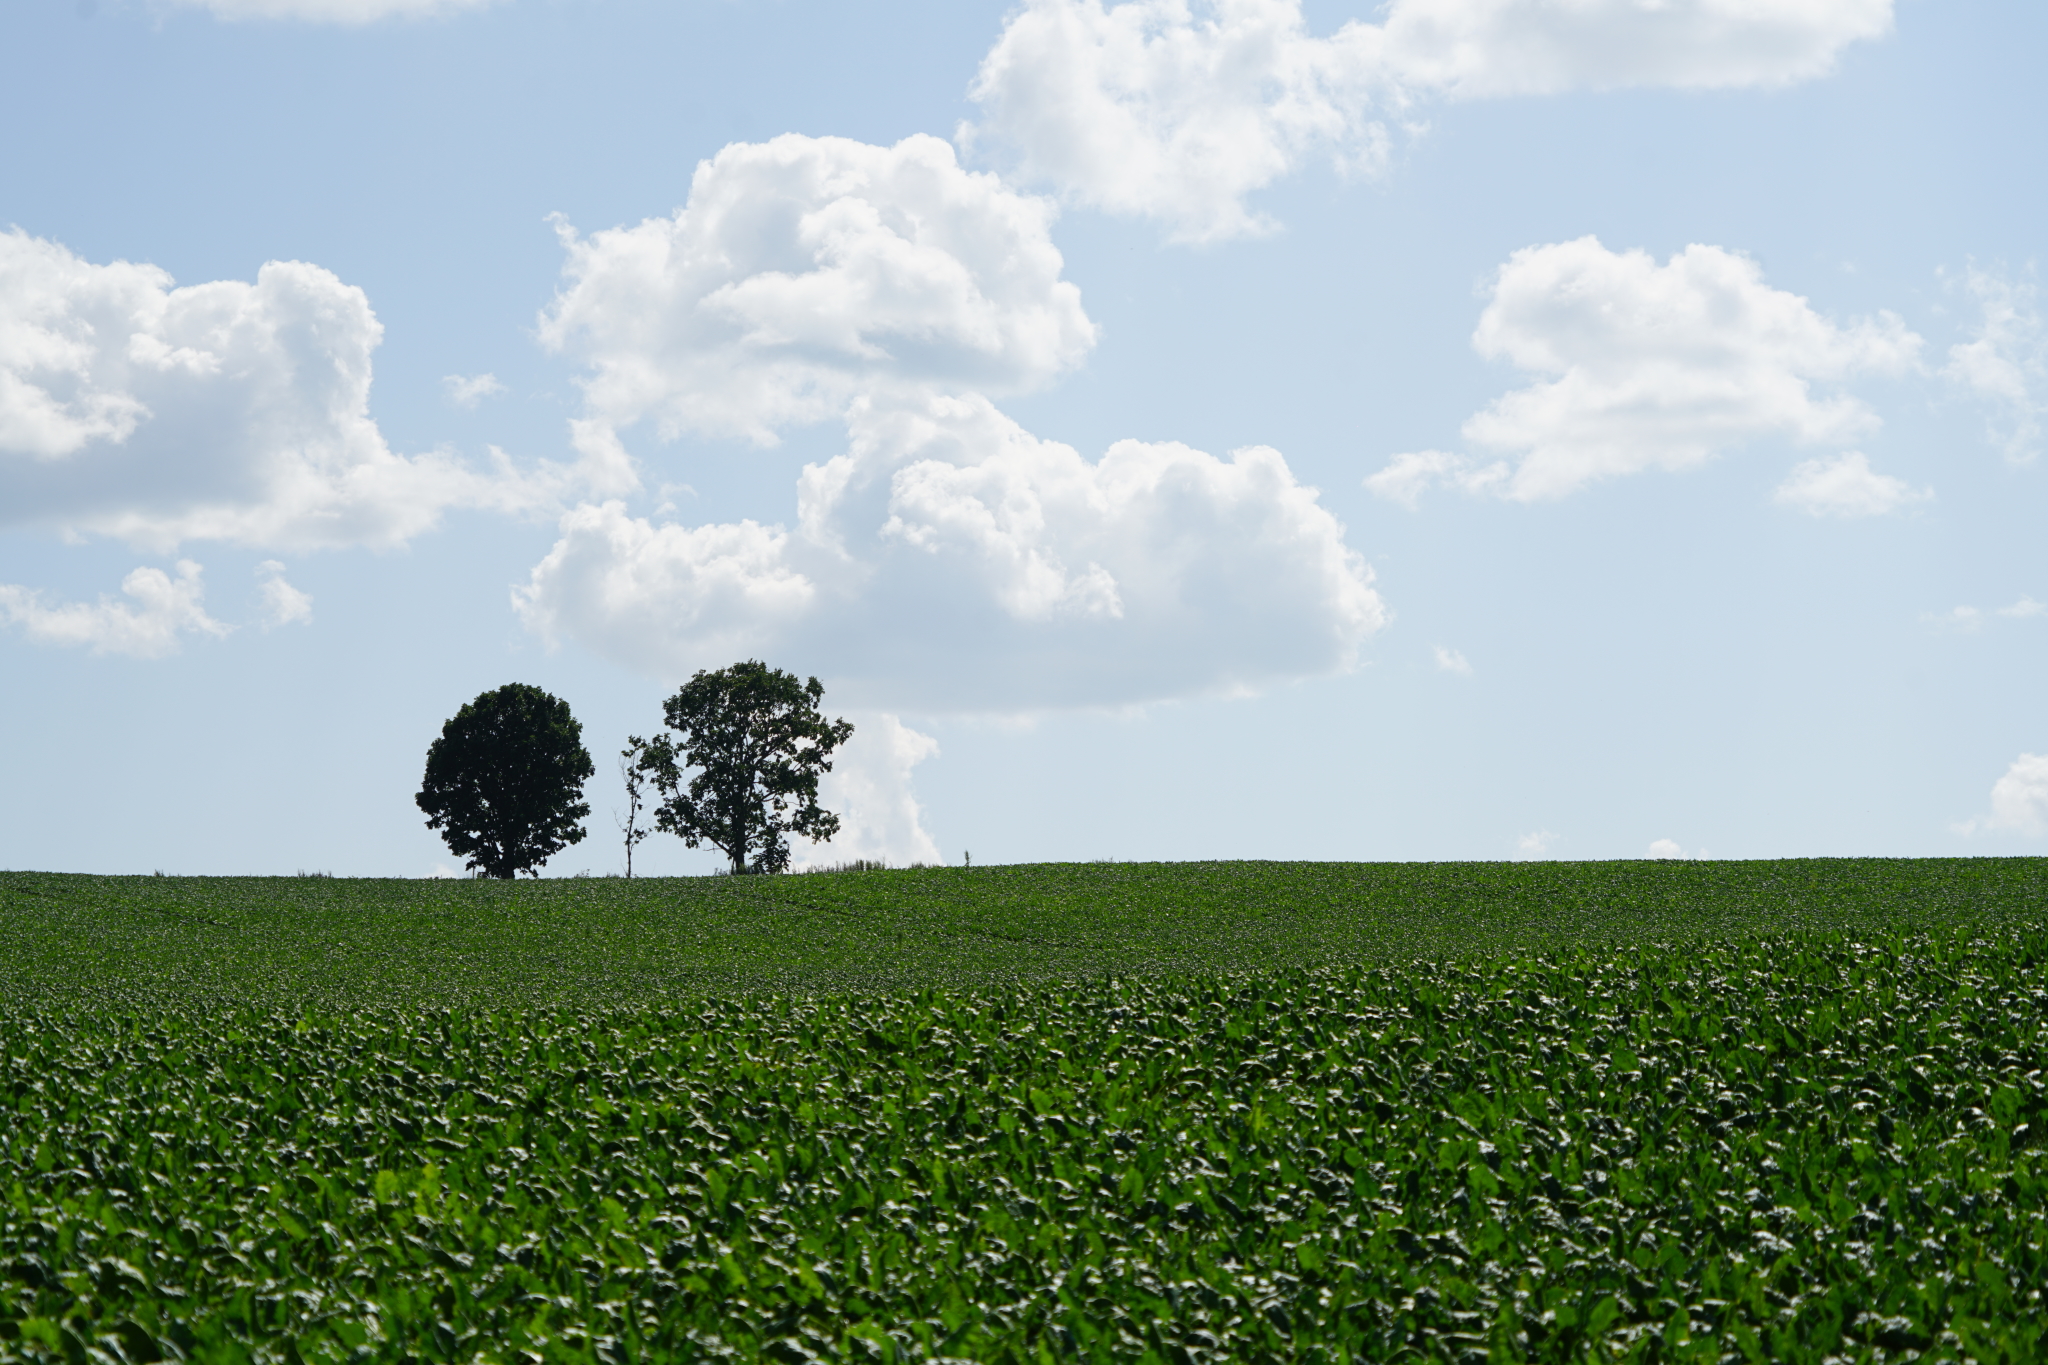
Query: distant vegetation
{"x":1217,"y":1112}
{"x":757,"y":743}
{"x":736,"y":767}
{"x":504,"y":782}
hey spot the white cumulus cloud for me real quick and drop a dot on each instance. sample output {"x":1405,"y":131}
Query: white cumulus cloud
{"x":870,"y":787}
{"x":1535,"y":845}
{"x":1665,"y":849}
{"x":283,"y":604}
{"x":148,"y":626}
{"x":951,"y":560}
{"x":2019,"y":800}
{"x":227,"y":411}
{"x":668,"y":599}
{"x":1150,"y":109}
{"x":804,"y":272}
{"x":1452,"y":661}
{"x":332,"y":11}
{"x":1177,"y":110}
{"x":2006,"y":366}
{"x":1648,"y":366}
{"x":1845,"y":486}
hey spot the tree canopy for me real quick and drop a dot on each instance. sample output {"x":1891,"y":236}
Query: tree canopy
{"x":759,"y":742}
{"x":504,"y":782}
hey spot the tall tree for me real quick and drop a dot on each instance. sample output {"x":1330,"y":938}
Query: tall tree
{"x":759,"y":742}
{"x":504,"y":782}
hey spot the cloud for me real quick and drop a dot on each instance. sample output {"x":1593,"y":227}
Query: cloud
{"x":332,"y":11}
{"x":1970,"y":619}
{"x":870,"y":787}
{"x":804,"y":272}
{"x":1536,"y":845}
{"x":1665,"y":849}
{"x":1177,"y":111}
{"x":951,"y":560}
{"x":466,"y":391}
{"x":1489,"y":48}
{"x":1965,"y":619}
{"x":2024,"y":608}
{"x":2006,"y":367}
{"x":148,"y":627}
{"x":2019,"y":800}
{"x":668,"y":599}
{"x":1410,"y":475}
{"x":283,"y":604}
{"x":1845,"y":486}
{"x":1650,"y":366}
{"x":948,"y":560}
{"x":221,"y":411}
{"x":1144,"y":109}
{"x":1451,"y":661}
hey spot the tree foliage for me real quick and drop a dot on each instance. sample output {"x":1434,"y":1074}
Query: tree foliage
{"x":504,"y":782}
{"x":759,"y":742}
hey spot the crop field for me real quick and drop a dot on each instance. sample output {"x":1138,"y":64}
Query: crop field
{"x":1209,"y":1112}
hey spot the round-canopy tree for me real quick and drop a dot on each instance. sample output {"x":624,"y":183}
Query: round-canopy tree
{"x":757,"y":736}
{"x":504,"y":781}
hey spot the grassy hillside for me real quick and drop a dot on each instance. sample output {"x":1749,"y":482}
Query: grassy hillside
{"x":1234,"y":1112}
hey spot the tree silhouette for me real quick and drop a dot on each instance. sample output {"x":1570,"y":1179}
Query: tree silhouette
{"x":759,"y":741}
{"x":504,"y":782}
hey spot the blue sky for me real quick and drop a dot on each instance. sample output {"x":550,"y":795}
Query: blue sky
{"x":1452,"y":429}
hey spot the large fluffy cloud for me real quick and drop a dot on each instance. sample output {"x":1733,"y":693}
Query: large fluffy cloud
{"x":1649,"y":366}
{"x":228,"y":411}
{"x":805,"y":271}
{"x":951,"y":560}
{"x":1177,"y":111}
{"x":1144,"y":109}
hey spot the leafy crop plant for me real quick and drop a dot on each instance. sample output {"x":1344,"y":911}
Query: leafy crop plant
{"x":1802,"y":1123}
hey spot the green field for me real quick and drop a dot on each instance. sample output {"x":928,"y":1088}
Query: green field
{"x":1769,"y":1111}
